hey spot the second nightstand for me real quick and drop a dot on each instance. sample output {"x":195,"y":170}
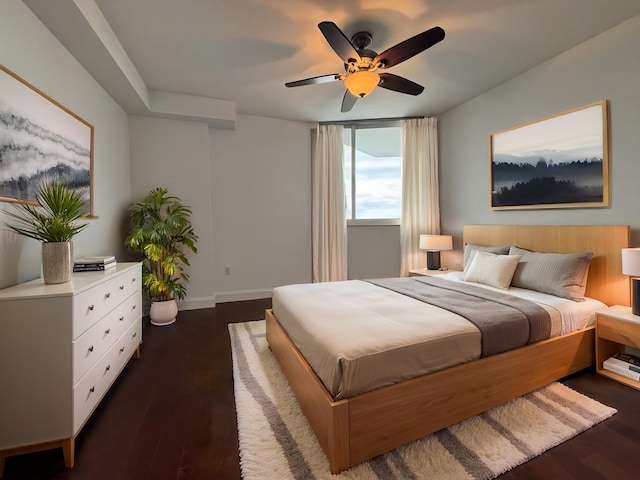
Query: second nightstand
{"x":616,"y":327}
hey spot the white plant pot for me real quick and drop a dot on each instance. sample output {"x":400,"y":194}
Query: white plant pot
{"x":57,"y":261}
{"x":163,"y":313}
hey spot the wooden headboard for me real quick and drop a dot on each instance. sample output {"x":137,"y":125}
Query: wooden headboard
{"x":606,"y":281}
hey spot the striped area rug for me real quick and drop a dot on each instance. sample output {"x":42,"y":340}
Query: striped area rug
{"x":277,"y":443}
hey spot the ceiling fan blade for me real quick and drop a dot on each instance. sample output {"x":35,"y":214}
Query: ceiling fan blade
{"x":399,"y":84}
{"x":348,"y":101}
{"x":314,"y":80}
{"x":410,"y":47}
{"x":338,"y":41}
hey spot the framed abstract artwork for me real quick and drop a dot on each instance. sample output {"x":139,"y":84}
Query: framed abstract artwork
{"x":560,"y":161}
{"x":40,"y":141}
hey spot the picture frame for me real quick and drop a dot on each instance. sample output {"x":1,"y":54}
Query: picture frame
{"x":559,"y":161}
{"x":41,"y":140}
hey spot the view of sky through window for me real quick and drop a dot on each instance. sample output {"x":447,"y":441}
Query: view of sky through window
{"x":378,"y":173}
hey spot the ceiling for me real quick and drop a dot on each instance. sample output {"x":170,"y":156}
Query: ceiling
{"x":244,"y":51}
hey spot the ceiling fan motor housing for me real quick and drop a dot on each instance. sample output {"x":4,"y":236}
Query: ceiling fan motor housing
{"x":361,"y":40}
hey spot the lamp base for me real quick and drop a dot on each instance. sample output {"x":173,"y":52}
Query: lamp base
{"x":635,"y":296}
{"x":433,"y":260}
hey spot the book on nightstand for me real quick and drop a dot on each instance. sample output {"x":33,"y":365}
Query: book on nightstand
{"x":614,"y":365}
{"x":627,"y":360}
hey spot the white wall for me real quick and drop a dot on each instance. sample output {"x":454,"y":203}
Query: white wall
{"x":605,"y":67}
{"x":28,"y":49}
{"x":249,"y":190}
{"x":261,"y":200}
{"x":174,"y":154}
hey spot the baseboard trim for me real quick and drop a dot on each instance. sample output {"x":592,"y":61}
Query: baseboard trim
{"x":220,"y":297}
{"x":197,"y":303}
{"x":240,"y":295}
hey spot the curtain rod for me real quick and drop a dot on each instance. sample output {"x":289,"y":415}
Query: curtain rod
{"x":373,"y":120}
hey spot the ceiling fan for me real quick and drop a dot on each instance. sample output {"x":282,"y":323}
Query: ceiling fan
{"x":361,"y":64}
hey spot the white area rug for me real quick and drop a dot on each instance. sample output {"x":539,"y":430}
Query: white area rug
{"x":277,"y":443}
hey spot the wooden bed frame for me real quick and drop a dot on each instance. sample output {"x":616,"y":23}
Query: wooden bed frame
{"x":358,"y":428}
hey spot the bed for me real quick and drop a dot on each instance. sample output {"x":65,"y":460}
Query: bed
{"x":358,"y":427}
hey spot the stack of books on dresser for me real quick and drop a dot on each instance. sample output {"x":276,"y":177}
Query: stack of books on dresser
{"x":94,"y":264}
{"x":623,"y":364}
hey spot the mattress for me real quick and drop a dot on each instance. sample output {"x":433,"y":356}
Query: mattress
{"x":357,"y":336}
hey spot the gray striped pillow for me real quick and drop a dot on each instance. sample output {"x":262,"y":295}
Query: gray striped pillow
{"x":560,"y":274}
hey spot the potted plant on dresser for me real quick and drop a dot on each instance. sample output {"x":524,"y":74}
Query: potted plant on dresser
{"x":54,"y":223}
{"x":161,"y":230}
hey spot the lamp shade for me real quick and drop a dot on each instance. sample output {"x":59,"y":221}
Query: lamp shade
{"x":631,"y":261}
{"x":362,"y":83}
{"x":436,"y":243}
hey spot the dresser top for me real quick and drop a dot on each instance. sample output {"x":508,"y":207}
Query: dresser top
{"x":79,"y":282}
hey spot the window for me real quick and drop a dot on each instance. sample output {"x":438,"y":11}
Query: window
{"x":373,"y":173}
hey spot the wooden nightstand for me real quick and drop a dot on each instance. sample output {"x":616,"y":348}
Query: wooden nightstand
{"x":616,"y":327}
{"x":423,"y":272}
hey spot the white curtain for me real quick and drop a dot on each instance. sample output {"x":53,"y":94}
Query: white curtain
{"x":420,"y":196}
{"x":329,"y":225}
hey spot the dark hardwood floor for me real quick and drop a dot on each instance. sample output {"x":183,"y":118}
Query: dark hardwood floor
{"x":171,"y":415}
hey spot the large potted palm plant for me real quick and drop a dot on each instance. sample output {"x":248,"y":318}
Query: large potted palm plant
{"x":161,"y":230}
{"x":54,"y":223}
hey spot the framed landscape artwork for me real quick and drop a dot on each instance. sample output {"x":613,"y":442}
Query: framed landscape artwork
{"x":560,"y":161}
{"x":40,"y":141}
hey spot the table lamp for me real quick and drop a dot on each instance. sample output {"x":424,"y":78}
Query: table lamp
{"x":631,"y":267}
{"x":434,"y":244}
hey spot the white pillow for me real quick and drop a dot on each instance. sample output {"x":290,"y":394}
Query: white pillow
{"x":491,"y":269}
{"x":469,"y":248}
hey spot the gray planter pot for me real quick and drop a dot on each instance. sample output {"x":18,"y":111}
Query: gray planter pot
{"x":57,"y":261}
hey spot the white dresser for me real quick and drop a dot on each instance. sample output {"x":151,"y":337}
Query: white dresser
{"x":61,"y":348}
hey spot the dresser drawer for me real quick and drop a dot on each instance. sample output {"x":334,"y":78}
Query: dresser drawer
{"x":93,"y":304}
{"x":108,"y":370}
{"x":129,"y":282}
{"x":127,"y":313}
{"x":92,"y":344}
{"x":92,"y":387}
{"x":128,"y":343}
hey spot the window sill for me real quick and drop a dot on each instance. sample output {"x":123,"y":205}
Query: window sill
{"x":373,"y":222}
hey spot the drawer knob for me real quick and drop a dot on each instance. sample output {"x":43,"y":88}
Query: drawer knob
{"x":121,"y":349}
{"x":107,"y":295}
{"x":121,"y":318}
{"x":133,"y":308}
{"x":121,"y":287}
{"x":108,"y":368}
{"x":134,"y":335}
{"x":90,"y":348}
{"x":92,"y":389}
{"x":107,"y":331}
{"x":91,"y":307}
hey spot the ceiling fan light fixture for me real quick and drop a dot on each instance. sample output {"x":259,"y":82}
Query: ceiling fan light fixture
{"x":362,"y":83}
{"x":360,"y":63}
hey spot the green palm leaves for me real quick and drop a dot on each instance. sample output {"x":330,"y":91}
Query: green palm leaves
{"x":161,"y":229}
{"x":54,"y":219}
